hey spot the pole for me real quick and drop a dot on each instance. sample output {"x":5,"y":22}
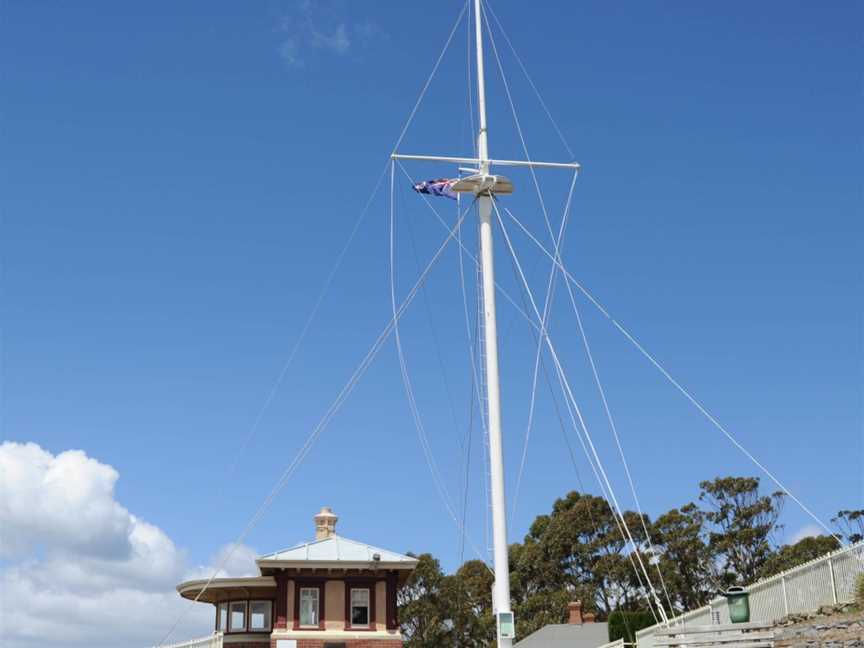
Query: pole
{"x":501,"y":592}
{"x":482,"y":143}
{"x":833,"y":581}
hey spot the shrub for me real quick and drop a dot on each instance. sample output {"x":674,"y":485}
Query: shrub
{"x":624,"y":624}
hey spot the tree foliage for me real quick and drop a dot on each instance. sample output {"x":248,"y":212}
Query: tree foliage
{"x":576,"y":552}
{"x":624,"y":624}
{"x":741,"y":525}
{"x":804,"y":550}
{"x":683,"y":557}
{"x":422,"y":612}
{"x":578,"y":548}
{"x":851,"y":524}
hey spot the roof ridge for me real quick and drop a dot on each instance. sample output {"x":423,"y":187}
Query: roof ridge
{"x":298,"y":546}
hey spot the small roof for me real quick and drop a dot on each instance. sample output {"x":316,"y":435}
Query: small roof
{"x":567,"y":635}
{"x":222,"y":589}
{"x":336,"y":551}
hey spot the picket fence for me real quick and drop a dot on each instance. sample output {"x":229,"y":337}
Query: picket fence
{"x":210,"y":641}
{"x":827,"y":580}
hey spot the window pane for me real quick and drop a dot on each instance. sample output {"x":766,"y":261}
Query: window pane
{"x":308,"y":606}
{"x":259,"y":615}
{"x":359,"y":607}
{"x":359,"y":597}
{"x":222,"y":617}
{"x":238,"y":615}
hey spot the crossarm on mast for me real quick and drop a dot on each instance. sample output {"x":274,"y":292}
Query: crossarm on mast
{"x":478,"y":162}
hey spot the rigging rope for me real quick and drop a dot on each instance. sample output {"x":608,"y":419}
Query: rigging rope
{"x":531,"y":83}
{"x":468,"y":253}
{"x":545,"y":218}
{"x":569,"y":393}
{"x":339,"y":259}
{"x":474,"y":360}
{"x":534,"y":325}
{"x":571,"y":455}
{"x":475,"y":382}
{"x":698,"y":405}
{"x":361,"y":369}
{"x":615,"y":434}
{"x":322,"y":424}
{"x":440,"y":486}
{"x":429,"y":80}
{"x":547,"y":304}
{"x":610,"y":496}
{"x":436,"y":344}
{"x":300,"y":339}
{"x":519,"y":127}
{"x":468,"y":32}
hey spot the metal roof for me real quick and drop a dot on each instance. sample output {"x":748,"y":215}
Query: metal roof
{"x":220,"y":589}
{"x":567,"y":635}
{"x":338,"y":550}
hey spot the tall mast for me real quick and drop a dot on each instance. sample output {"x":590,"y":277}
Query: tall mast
{"x":484,"y":184}
{"x":482,"y":138}
{"x":501,"y":592}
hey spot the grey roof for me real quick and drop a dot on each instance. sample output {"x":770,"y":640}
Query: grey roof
{"x":567,"y":635}
{"x":337,"y":549}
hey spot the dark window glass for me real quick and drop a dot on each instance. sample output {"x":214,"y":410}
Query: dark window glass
{"x":359,"y":607}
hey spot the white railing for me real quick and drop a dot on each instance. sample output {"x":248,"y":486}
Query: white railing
{"x":828,"y":580}
{"x":211,"y":641}
{"x":615,"y":644}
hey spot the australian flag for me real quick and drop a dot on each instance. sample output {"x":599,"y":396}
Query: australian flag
{"x":440,"y":187}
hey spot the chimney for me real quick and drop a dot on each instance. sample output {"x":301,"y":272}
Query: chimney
{"x":325,"y":523}
{"x":574,"y":609}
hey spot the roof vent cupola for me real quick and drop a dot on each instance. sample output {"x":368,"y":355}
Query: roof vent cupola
{"x":325,"y":523}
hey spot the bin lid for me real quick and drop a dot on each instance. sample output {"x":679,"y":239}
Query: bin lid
{"x":735,"y":590}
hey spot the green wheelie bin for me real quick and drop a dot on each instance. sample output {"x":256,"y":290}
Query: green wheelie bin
{"x":738,"y":601}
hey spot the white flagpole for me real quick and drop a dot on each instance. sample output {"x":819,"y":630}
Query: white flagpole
{"x":501,"y":592}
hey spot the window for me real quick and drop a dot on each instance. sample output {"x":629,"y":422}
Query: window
{"x":237,"y":618}
{"x":360,"y":607}
{"x":222,"y":617}
{"x":259,"y":615}
{"x":309,"y":606}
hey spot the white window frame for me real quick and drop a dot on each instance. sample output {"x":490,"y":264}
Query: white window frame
{"x":231,"y":605}
{"x":268,"y":616}
{"x":222,"y":616}
{"x":368,"y":607}
{"x":317,"y":623}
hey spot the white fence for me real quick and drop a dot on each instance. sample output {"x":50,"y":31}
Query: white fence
{"x":615,"y":644}
{"x":825,"y":581}
{"x":210,"y":641}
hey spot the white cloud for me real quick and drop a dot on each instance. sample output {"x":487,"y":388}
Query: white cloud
{"x":289,"y":51}
{"x":324,"y":26}
{"x":234,"y":563}
{"x":63,"y":502}
{"x":336,"y":41}
{"x":79,"y":568}
{"x":809,"y":531}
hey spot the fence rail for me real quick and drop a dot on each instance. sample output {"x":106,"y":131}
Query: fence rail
{"x":827,"y":580}
{"x":210,"y":641}
{"x":615,"y":644}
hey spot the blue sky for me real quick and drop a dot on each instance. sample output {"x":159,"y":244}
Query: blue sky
{"x":178,"y":181}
